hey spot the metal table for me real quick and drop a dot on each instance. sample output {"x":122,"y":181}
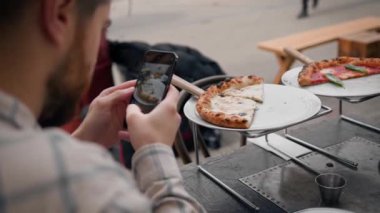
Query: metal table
{"x":230,"y":167}
{"x":260,"y":130}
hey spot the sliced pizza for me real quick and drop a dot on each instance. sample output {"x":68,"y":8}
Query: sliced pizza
{"x":231,"y":103}
{"x":338,"y":69}
{"x":251,"y":87}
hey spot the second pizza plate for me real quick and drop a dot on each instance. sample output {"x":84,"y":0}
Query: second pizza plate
{"x":357,"y":87}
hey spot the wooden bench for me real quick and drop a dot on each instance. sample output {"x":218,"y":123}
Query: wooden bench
{"x":363,"y":44}
{"x":312,"y":38}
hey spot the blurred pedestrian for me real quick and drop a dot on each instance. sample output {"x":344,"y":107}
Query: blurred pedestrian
{"x":305,"y":6}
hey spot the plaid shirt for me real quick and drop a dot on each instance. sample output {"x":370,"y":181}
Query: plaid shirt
{"x":46,"y":170}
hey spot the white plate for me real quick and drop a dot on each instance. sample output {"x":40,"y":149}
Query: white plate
{"x":323,"y":210}
{"x":365,"y":86}
{"x":282,"y":106}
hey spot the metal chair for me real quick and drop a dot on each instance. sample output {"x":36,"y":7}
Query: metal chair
{"x":179,"y":144}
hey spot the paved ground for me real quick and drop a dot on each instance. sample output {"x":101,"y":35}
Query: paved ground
{"x":229,"y":30}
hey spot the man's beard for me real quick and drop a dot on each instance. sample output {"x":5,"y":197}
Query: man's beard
{"x":65,"y":87}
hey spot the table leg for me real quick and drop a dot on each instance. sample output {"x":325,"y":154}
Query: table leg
{"x":350,"y":164}
{"x":285,"y":62}
{"x":181,"y":149}
{"x":228,"y":189}
{"x":326,"y":110}
{"x":213,"y":178}
{"x":354,"y":121}
{"x":294,"y":159}
{"x":243,"y":140}
{"x":195,"y":140}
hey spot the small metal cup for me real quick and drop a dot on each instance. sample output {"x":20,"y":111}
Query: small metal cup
{"x":330,"y":187}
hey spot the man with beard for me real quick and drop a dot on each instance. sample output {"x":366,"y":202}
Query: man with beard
{"x":47,"y":51}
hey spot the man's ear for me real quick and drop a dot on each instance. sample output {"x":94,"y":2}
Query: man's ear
{"x":58,"y":20}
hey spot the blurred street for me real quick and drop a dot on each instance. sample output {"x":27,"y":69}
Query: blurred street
{"x":228,"y":30}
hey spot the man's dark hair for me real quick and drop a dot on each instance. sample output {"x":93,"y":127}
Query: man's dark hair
{"x":87,"y":7}
{"x":11,"y":10}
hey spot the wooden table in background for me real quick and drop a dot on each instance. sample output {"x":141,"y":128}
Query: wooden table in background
{"x":304,"y":40}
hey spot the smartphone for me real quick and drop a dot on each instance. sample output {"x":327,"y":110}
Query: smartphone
{"x":154,"y":79}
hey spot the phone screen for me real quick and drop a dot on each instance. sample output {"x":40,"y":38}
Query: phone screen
{"x":154,"y":79}
{"x":152,"y":83}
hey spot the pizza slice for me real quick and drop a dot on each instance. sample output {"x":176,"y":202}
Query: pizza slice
{"x":251,"y":88}
{"x":336,"y":70}
{"x":231,"y":103}
{"x":229,"y":111}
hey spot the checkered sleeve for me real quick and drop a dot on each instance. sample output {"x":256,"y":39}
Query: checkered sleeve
{"x":158,"y":176}
{"x":46,"y":170}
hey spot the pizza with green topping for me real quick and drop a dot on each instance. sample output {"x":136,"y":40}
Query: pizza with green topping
{"x":337,"y":70}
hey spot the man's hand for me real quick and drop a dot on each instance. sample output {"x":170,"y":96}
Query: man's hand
{"x":105,"y":118}
{"x":158,"y":126}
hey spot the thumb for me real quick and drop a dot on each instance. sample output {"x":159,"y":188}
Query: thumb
{"x":133,"y":111}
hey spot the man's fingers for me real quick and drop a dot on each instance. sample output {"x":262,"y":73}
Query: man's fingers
{"x":124,"y":85}
{"x":122,"y":95}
